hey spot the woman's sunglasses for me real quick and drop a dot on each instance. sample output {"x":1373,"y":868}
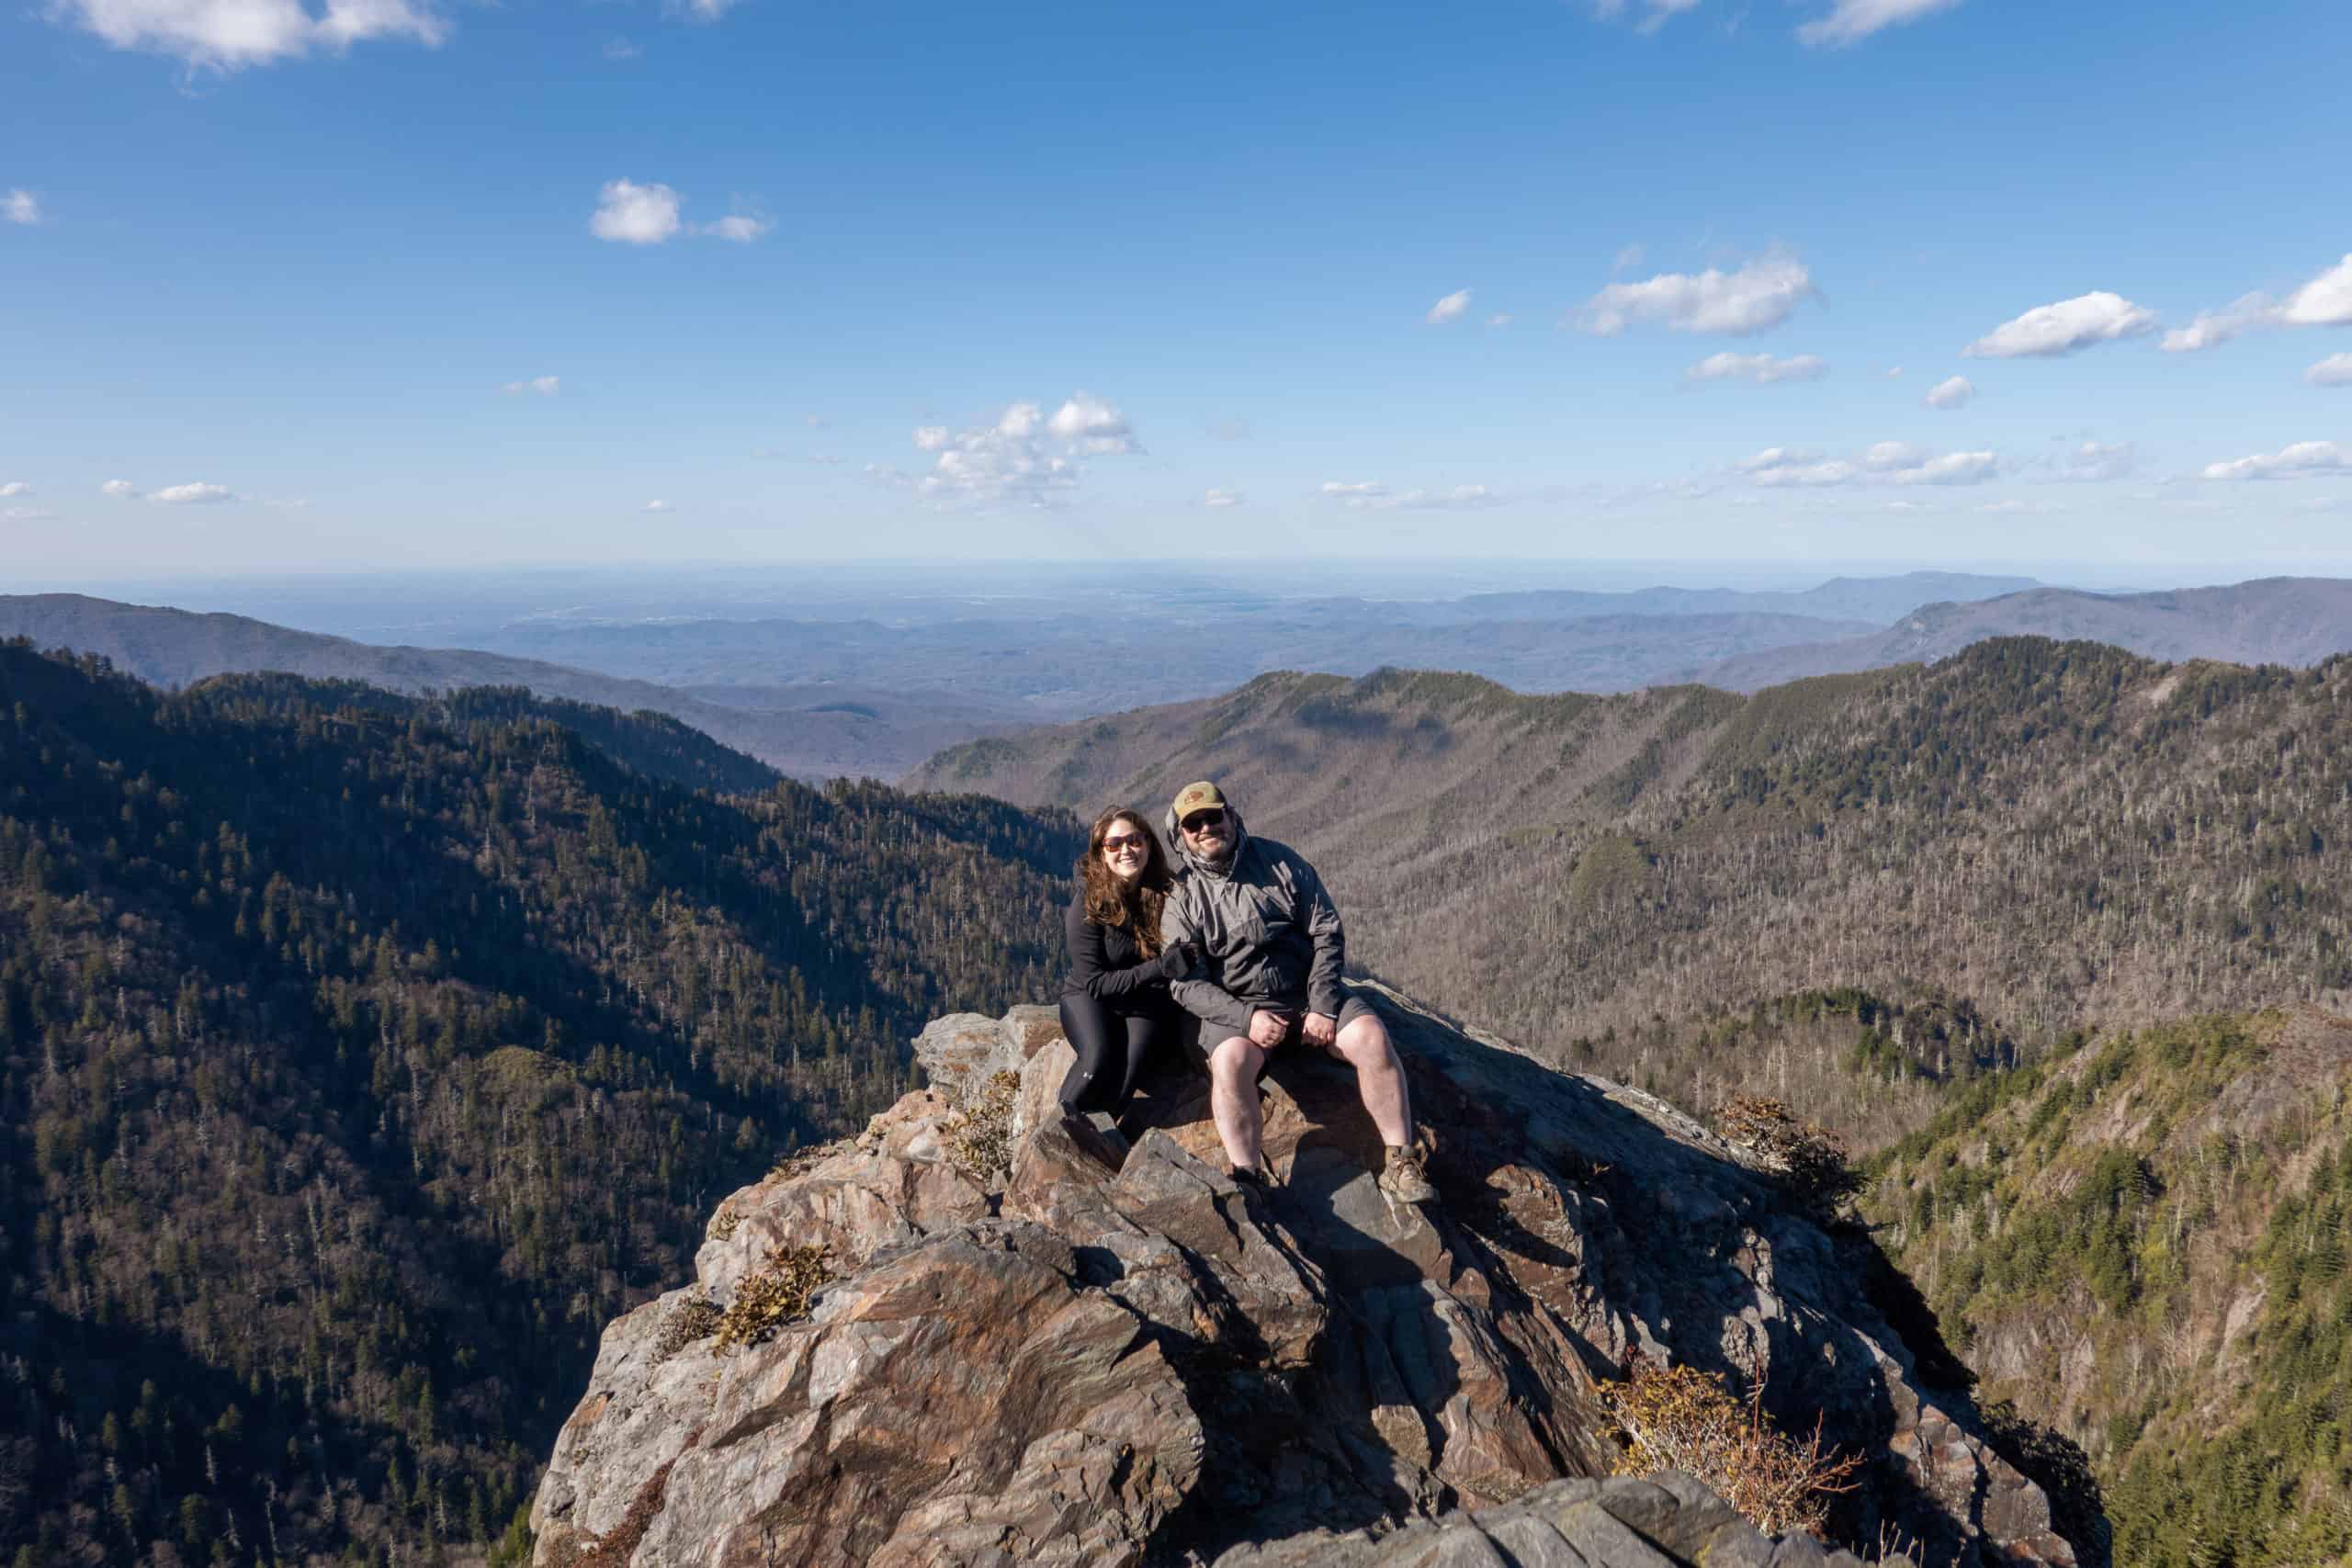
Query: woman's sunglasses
{"x":1119,"y":843}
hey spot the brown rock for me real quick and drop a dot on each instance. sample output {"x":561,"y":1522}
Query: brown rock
{"x":1094,"y":1366}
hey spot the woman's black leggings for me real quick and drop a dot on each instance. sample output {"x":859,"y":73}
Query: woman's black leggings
{"x":1111,"y":1045}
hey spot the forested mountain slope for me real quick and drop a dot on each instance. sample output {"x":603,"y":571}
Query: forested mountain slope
{"x":2036,"y":834}
{"x":360,"y":1057}
{"x":2141,"y":1240}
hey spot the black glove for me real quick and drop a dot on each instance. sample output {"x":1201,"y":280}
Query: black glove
{"x":1178,"y":959}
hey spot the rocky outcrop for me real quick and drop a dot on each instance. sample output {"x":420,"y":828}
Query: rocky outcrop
{"x":1068,"y":1363}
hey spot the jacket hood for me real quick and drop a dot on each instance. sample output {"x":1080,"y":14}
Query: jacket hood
{"x":1182,"y":852}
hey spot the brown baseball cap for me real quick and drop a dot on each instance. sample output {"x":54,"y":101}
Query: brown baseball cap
{"x":1200,"y":796}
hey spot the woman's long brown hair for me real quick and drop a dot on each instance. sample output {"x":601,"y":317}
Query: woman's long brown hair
{"x":1134,"y":905}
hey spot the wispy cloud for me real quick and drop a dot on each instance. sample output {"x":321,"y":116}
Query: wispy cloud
{"x":2336,"y":370}
{"x":742,"y":226}
{"x":195,"y":494}
{"x":1850,"y":21}
{"x":13,"y":488}
{"x":1761,"y":294}
{"x":1449,"y":308}
{"x":621,"y":48}
{"x":2304,"y":459}
{"x":1888,"y":462}
{"x":120,"y":490}
{"x":1373,"y":496}
{"x":228,"y":35}
{"x":659,"y":506}
{"x":2064,"y":327}
{"x":2095,"y":462}
{"x":20,"y":206}
{"x":1951,"y":393}
{"x":545,"y":385}
{"x":1222,"y":498}
{"x":1761,"y":369}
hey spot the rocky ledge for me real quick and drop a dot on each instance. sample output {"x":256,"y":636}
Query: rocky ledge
{"x":1068,"y":1363}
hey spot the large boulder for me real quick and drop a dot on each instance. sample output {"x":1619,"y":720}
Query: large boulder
{"x":1065,"y":1363}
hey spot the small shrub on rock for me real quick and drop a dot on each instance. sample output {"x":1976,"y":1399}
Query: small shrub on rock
{"x":1681,"y":1418}
{"x":723,"y":1223}
{"x":1811,"y":1159}
{"x":980,"y":1136}
{"x":775,"y":1296}
{"x":687,"y":1321}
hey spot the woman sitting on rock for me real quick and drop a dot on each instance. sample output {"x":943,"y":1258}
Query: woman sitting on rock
{"x":1116,"y":1006}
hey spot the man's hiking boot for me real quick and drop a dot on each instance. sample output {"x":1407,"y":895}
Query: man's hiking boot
{"x":1250,"y":1179}
{"x":1404,"y":1179}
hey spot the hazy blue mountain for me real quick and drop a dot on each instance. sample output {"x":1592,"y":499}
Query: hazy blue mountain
{"x":2272,"y":620}
{"x":811,"y":730}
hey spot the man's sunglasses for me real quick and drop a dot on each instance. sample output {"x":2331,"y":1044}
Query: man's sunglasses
{"x":1200,"y":820}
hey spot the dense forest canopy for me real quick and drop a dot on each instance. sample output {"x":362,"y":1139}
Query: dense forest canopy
{"x":362,"y":1055}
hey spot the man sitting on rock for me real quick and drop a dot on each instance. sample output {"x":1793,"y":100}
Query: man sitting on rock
{"x":1272,"y":948}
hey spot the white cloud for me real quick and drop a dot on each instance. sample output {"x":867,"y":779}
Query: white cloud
{"x":1222,"y":498}
{"x":1092,"y":427}
{"x":226,"y":34}
{"x":1026,"y":458}
{"x":2301,"y":460}
{"x":1850,"y":21}
{"x":2210,"y":328}
{"x":2062,"y":328}
{"x":1894,"y":372}
{"x":709,"y":10}
{"x":1761,"y":294}
{"x":20,"y":207}
{"x":1448,"y":309}
{"x":2324,"y":301}
{"x":121,"y":490}
{"x":545,"y":385}
{"x":740,"y":227}
{"x":2095,"y":462}
{"x":2336,"y":370}
{"x":633,"y":214}
{"x":195,"y":494}
{"x":658,"y":506}
{"x":1888,"y":462}
{"x":1950,"y":394}
{"x":1760,"y":368}
{"x":25,"y":514}
{"x":1499,"y":318}
{"x":14,"y":487}
{"x":1375,"y":497}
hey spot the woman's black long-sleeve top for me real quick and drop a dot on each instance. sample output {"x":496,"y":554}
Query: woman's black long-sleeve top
{"x":1106,"y":961}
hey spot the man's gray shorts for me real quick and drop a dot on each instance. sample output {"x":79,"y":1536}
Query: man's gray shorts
{"x":1211,"y":1035}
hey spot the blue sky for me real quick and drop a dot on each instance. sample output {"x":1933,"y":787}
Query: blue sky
{"x":418,"y":283}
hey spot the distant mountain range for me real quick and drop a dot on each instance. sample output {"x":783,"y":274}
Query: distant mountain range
{"x":2273,"y":620}
{"x":810,"y":730}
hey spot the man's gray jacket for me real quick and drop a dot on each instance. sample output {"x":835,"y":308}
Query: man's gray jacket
{"x":1269,"y":934}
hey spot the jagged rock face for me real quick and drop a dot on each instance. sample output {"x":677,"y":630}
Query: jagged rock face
{"x":1068,"y":1364}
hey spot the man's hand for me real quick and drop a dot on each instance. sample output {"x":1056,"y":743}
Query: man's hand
{"x":1267,"y":1029}
{"x":1319,"y":1029}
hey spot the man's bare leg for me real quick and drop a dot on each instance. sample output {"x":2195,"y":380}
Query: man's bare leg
{"x":1233,"y":1099}
{"x":1380,"y":1078}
